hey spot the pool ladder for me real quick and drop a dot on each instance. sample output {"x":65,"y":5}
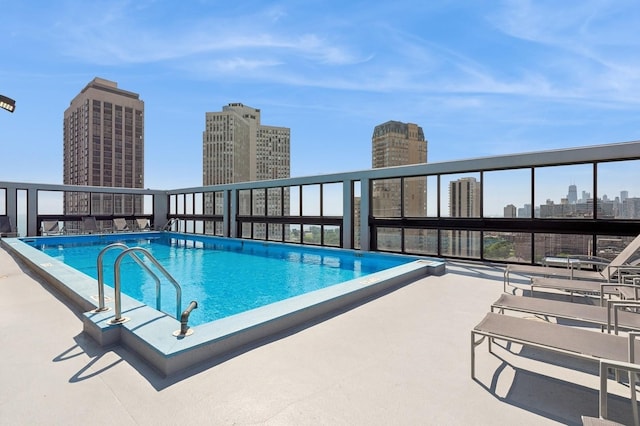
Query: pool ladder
{"x":132,"y":252}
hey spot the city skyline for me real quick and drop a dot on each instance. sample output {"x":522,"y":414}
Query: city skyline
{"x":481,"y":80}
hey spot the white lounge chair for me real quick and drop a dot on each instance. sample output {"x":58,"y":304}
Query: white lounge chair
{"x":573,"y":271}
{"x":590,"y":314}
{"x":50,"y":227}
{"x":589,"y":286}
{"x":602,"y":419}
{"x":574,"y":341}
{"x":142,"y":225}
{"x":90,"y":225}
{"x":120,"y":225}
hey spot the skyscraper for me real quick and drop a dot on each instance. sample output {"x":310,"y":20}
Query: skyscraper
{"x":509,"y":211}
{"x":464,"y":201}
{"x":397,"y":144}
{"x":104,"y":146}
{"x":238,"y":148}
{"x":464,"y":197}
{"x":572,"y":196}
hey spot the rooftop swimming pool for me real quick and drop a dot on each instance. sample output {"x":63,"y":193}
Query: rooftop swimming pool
{"x":246,"y":290}
{"x":225,"y":277}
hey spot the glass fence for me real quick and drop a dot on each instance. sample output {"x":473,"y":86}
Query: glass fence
{"x":517,"y":208}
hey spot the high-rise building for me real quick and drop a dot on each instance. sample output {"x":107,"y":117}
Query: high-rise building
{"x":509,"y":211}
{"x":104,"y":146}
{"x":572,"y":196}
{"x":464,"y":201}
{"x":398,"y":144}
{"x":464,"y":197}
{"x":238,"y":148}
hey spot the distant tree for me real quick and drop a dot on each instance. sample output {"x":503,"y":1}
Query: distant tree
{"x":498,"y":250}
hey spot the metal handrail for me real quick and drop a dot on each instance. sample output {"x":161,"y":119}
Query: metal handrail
{"x":101,"y":303}
{"x":130,"y":251}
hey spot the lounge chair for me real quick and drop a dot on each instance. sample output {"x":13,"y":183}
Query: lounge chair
{"x":598,"y":315}
{"x":574,"y":341}
{"x":120,"y":225}
{"x":90,"y":225}
{"x":573,"y":271}
{"x":610,"y":350}
{"x":50,"y":227}
{"x":605,"y":366}
{"x":142,"y":224}
{"x":6,"y":230}
{"x":588,"y":286}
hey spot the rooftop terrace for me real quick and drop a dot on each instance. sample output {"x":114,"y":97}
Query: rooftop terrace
{"x":403,"y":358}
{"x":400,"y":359}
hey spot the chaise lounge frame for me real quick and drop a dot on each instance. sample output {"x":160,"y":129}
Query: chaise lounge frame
{"x":572,"y":271}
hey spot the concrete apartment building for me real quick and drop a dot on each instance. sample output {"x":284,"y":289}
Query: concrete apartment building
{"x":398,"y":144}
{"x":237,"y":147}
{"x":464,"y":201}
{"x":104,"y":146}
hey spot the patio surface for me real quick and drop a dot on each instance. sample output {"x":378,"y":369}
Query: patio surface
{"x":403,"y":358}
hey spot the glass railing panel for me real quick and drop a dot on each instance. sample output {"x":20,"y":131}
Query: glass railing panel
{"x":385,"y":198}
{"x":460,"y":195}
{"x":331,"y":235}
{"x":332,"y":199}
{"x":415,"y":196}
{"x":180,"y":203}
{"x":421,"y":241}
{"x":258,"y":207}
{"x":311,"y":200}
{"x":275,"y":232}
{"x":610,"y":246}
{"x":259,"y":231}
{"x":561,"y":245}
{"x":198,"y":203}
{"x":294,"y":200}
{"x":311,"y":234}
{"x":292,"y":233}
{"x":564,"y":192}
{"x":147,"y":207}
{"x":432,"y":196}
{"x":173,"y":206}
{"x":618,"y":191}
{"x":244,"y":202}
{"x":245,"y":230}
{"x":219,"y":228}
{"x":507,"y":193}
{"x":188,"y":203}
{"x":507,"y":246}
{"x":456,"y":243}
{"x":209,"y":227}
{"x":219,"y":203}
{"x":49,"y":202}
{"x":275,"y":205}
{"x":389,"y":239}
{"x":3,"y":201}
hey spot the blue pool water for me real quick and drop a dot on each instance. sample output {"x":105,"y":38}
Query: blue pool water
{"x":224,"y":276}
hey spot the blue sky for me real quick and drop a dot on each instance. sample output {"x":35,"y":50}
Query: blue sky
{"x":481,"y":78}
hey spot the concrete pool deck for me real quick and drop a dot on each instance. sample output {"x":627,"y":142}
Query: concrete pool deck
{"x":400,"y":359}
